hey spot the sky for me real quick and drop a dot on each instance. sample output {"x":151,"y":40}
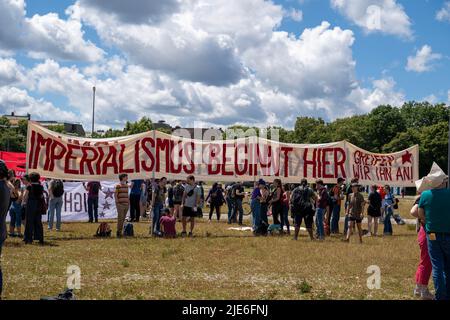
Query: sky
{"x":220,"y":62}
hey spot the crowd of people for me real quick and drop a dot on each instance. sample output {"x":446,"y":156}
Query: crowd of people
{"x":272,"y":206}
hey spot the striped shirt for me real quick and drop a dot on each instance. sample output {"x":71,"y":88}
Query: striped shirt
{"x":122,"y":194}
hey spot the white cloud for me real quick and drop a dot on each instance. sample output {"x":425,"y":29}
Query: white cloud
{"x":295,"y":14}
{"x":383,"y":92}
{"x":423,"y":60}
{"x":43,"y":36}
{"x":444,"y":13}
{"x":135,"y":11}
{"x":10,"y":72}
{"x":386,"y":16}
{"x":17,"y":100}
{"x":184,"y":66}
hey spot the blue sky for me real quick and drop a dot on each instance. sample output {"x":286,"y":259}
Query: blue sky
{"x":374,"y":70}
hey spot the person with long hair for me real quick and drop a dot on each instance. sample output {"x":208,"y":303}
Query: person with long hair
{"x":15,"y":212}
{"x":276,"y":201}
{"x":35,"y":208}
{"x":373,"y":211}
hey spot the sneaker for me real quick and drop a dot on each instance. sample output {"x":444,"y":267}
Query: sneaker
{"x":426,"y":295}
{"x":367,"y":235}
{"x":190,"y":235}
{"x":183,"y":234}
{"x":417,"y":291}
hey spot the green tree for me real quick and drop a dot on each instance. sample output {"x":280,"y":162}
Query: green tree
{"x":384,"y":123}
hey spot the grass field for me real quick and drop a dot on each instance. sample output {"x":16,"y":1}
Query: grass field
{"x":216,"y":264}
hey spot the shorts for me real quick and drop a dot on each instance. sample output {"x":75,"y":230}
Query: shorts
{"x":373,"y":212}
{"x":309,"y":219}
{"x":189,"y":212}
{"x":177,"y":203}
{"x":357,"y":219}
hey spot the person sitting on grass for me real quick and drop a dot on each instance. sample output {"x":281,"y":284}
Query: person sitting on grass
{"x":355,"y":211}
{"x":168,"y":223}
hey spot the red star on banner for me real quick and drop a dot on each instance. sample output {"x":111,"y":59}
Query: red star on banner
{"x":406,"y":157}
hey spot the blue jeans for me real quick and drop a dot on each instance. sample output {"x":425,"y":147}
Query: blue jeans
{"x":93,"y":209}
{"x":256,"y":212}
{"x":264,"y":217}
{"x":230,"y":208}
{"x":439,"y":251}
{"x":55,"y":204}
{"x":238,"y":208}
{"x":16,"y":215}
{"x":285,"y":218}
{"x":335,"y":216}
{"x":319,"y":222}
{"x":156,"y":215}
{"x":387,"y":220}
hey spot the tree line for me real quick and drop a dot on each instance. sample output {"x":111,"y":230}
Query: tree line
{"x":385,"y":129}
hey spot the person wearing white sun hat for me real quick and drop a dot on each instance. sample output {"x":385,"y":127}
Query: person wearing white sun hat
{"x":434,"y":212}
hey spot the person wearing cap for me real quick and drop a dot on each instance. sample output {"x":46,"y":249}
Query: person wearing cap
{"x":5,"y":194}
{"x":355,"y":211}
{"x":434,"y":210}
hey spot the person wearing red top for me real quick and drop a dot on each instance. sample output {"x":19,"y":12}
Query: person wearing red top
{"x":321,"y":207}
{"x":168,"y":222}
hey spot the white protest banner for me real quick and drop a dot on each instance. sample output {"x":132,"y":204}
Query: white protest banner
{"x":155,"y":154}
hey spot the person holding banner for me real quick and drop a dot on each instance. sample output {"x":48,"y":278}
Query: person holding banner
{"x":189,"y":204}
{"x":93,"y":188}
{"x":122,"y":202}
{"x":135,"y":199}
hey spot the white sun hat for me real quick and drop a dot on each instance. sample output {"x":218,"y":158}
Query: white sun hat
{"x":434,"y":179}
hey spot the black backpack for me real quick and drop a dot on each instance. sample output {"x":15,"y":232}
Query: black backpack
{"x":178,"y":191}
{"x":58,"y":188}
{"x":300,"y":201}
